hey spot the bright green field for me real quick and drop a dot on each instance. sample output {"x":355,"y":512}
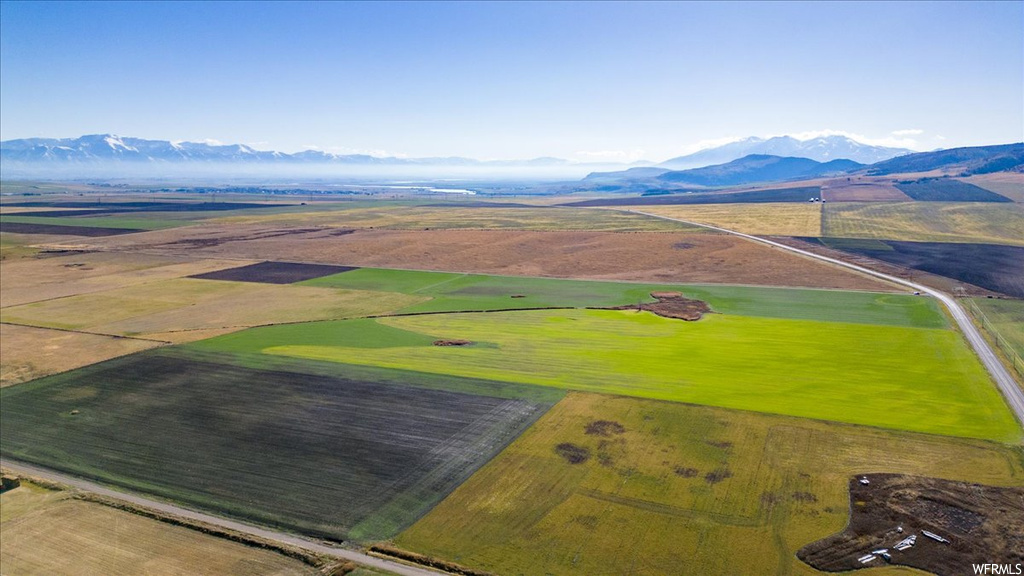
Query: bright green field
{"x":470,"y":292}
{"x":898,"y":377}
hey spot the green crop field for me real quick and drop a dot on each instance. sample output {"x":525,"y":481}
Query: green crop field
{"x":665,"y":488}
{"x":922,"y":379}
{"x":450,"y":292}
{"x":992,"y":223}
{"x":1006,"y":317}
{"x":355,"y":454}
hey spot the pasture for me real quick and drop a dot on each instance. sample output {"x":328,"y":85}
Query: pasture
{"x":907,"y":378}
{"x":27,"y":352}
{"x":451,"y":292}
{"x":776,"y":219}
{"x":1006,"y":317}
{"x":609,"y":485}
{"x":462,"y":216}
{"x":987,"y":223}
{"x":1009,"y":184}
{"x":185,"y":305}
{"x":333,"y":456}
{"x":47,"y":532}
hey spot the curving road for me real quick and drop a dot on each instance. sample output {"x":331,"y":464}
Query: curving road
{"x":264,"y":533}
{"x":1007,"y":385}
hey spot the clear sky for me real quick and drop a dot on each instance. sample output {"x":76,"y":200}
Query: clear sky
{"x":588,"y":81}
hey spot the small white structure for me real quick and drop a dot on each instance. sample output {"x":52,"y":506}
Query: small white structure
{"x":866,"y":558}
{"x":935,"y":536}
{"x":864,"y":480}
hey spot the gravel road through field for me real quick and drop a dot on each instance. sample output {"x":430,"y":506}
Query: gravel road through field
{"x":267,"y":534}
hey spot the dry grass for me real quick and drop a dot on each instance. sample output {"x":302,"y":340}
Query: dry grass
{"x":682,"y":490}
{"x":977,"y":222}
{"x":454,"y":217}
{"x":780,"y":219}
{"x":192,"y":308}
{"x":27,"y":353}
{"x":666,"y":257}
{"x":1009,"y":184}
{"x":35,"y":280}
{"x":45,"y":532}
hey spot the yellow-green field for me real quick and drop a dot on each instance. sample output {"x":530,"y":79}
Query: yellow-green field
{"x":185,"y":304}
{"x":1009,"y":184}
{"x":47,"y":532}
{"x":404,"y":217}
{"x":27,"y":353}
{"x":783,"y":219}
{"x":680,"y":489}
{"x":975,"y":222}
{"x":901,"y":377}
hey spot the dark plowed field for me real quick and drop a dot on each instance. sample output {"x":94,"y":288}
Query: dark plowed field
{"x":275,"y":272}
{"x":326,"y":455}
{"x":800,"y":194}
{"x":19,"y":228}
{"x":947,"y":190}
{"x":981,"y":525}
{"x":992,"y":266}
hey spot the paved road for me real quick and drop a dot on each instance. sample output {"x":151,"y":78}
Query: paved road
{"x":1011,"y":392}
{"x":284,"y":538}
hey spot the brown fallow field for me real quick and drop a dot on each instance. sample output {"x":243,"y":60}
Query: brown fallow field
{"x":862,"y":189}
{"x":664,"y":257}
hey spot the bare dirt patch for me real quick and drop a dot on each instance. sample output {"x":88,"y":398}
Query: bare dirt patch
{"x":981,"y":524}
{"x":572,"y":453}
{"x":672,"y":305}
{"x":641,"y":256}
{"x":452,"y":342}
{"x":717,"y":475}
{"x":274,"y":272}
{"x":606,"y":428}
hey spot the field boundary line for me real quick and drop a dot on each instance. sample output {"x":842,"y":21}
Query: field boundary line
{"x":1015,"y":360}
{"x":1004,"y":381}
{"x":118,"y":336}
{"x":164,"y":508}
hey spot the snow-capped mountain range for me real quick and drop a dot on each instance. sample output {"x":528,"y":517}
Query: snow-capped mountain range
{"x":821,"y":149}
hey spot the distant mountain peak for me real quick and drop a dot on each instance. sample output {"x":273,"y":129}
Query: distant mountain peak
{"x":819,"y":148}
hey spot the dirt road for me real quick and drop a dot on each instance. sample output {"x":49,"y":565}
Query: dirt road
{"x":285,"y":538}
{"x":1004,"y":381}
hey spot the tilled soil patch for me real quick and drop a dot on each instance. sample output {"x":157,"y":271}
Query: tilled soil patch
{"x":274,"y":272}
{"x":980,"y":525}
{"x":672,"y":305}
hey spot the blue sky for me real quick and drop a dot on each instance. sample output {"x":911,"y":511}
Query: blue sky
{"x":588,"y":81}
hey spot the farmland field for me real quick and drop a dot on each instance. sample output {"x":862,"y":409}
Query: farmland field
{"x":36,"y":279}
{"x":767,"y":195}
{"x":1009,"y":184}
{"x":790,"y":219}
{"x":27,"y":353}
{"x":187,"y":304}
{"x":983,"y":223}
{"x":609,"y":485}
{"x":468,"y":292}
{"x":660,"y":257}
{"x":948,"y":190}
{"x":47,"y":532}
{"x":330,"y":455}
{"x":84,"y":223}
{"x":902,"y":377}
{"x":460,"y":216}
{"x":995,"y":267}
{"x":1007,"y":318}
